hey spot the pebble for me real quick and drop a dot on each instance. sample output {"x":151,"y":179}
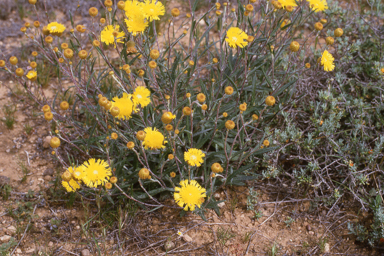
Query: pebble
{"x":85,"y":252}
{"x":11,"y":229}
{"x":326,"y":248}
{"x":221,"y":205}
{"x":187,"y":238}
{"x":46,"y":142}
{"x":5,"y":238}
{"x":311,"y":232}
{"x":32,"y":250}
{"x":47,"y":178}
{"x":48,"y":171}
{"x":18,"y":250}
{"x":169,"y":245}
{"x":50,"y":244}
{"x":309,"y":228}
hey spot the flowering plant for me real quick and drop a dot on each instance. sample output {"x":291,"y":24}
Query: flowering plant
{"x":181,"y":110}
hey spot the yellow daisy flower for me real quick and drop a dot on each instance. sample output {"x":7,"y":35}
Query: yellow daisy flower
{"x":285,"y":3}
{"x":96,"y":172}
{"x":153,"y":139}
{"x":141,"y":96}
{"x":71,"y":186}
{"x":236,"y":37}
{"x":136,"y":24}
{"x":194,"y":157}
{"x":318,"y":5}
{"x":55,"y":28}
{"x":327,"y":61}
{"x":107,"y":36}
{"x":125,"y":105}
{"x":132,"y":8}
{"x":152,"y":9}
{"x":32,"y":75}
{"x":189,"y":195}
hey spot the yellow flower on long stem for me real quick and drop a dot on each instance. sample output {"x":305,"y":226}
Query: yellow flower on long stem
{"x":318,"y":5}
{"x":96,"y":172}
{"x":107,"y":36}
{"x":141,"y":96}
{"x":132,"y":8}
{"x":125,"y":105}
{"x":153,"y":139}
{"x":55,"y":28}
{"x":327,"y":61}
{"x":136,"y":24}
{"x":194,"y":157}
{"x":236,"y":37}
{"x":152,"y":9}
{"x":32,"y":75}
{"x":286,"y":3}
{"x":189,"y":195}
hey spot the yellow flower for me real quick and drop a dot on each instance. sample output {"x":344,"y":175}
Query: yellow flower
{"x":318,"y":5}
{"x":96,"y":172}
{"x":327,"y":61}
{"x":194,"y":157}
{"x":285,"y":3}
{"x":236,"y":37}
{"x":141,"y":96}
{"x":71,"y":186}
{"x":152,"y":9}
{"x":107,"y":36}
{"x":56,"y":28}
{"x":126,"y":106}
{"x":132,"y":8}
{"x":136,"y":24}
{"x":32,"y":75}
{"x":153,"y":139}
{"x":189,"y":195}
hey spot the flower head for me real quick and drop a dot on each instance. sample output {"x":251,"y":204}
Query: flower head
{"x":136,"y":24}
{"x":71,"y":186}
{"x":56,"y":28}
{"x":285,"y":3}
{"x":108,"y":37}
{"x":236,"y":37}
{"x":125,"y":105}
{"x":194,"y":157}
{"x":318,"y":5}
{"x":96,"y":172}
{"x":153,"y":139}
{"x":32,"y":75}
{"x":152,"y":9}
{"x":132,"y":8}
{"x":327,"y":61}
{"x":189,"y":195}
{"x":141,"y":96}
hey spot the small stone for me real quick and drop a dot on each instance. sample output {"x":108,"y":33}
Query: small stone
{"x":85,"y":252}
{"x":5,"y":238}
{"x":46,"y":142}
{"x":48,"y":171}
{"x":48,"y":178}
{"x":11,"y":229}
{"x":309,"y":228}
{"x":221,"y":205}
{"x":187,"y":238}
{"x":18,"y":250}
{"x":77,"y":227}
{"x":169,"y":245}
{"x":326,"y":248}
{"x":4,"y":180}
{"x":50,"y":244}
{"x":8,"y":150}
{"x":217,"y":196}
{"x":32,"y":250}
{"x":311,"y":232}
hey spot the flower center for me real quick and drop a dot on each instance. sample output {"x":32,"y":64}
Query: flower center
{"x":152,"y":11}
{"x":95,"y":172}
{"x":139,"y":96}
{"x":193,"y":157}
{"x":234,"y":39}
